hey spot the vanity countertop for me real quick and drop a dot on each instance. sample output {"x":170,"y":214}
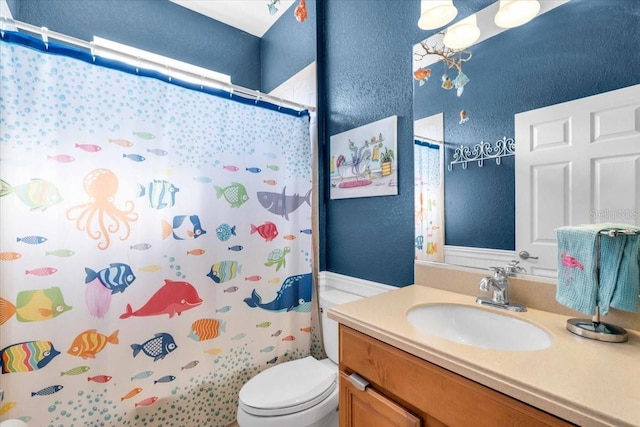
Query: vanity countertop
{"x":586,"y":382}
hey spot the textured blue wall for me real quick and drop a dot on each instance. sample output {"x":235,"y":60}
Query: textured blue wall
{"x":288,"y":47}
{"x":158,"y":26}
{"x":579,"y":49}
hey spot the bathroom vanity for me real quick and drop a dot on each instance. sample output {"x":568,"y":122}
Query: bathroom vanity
{"x":393,"y":374}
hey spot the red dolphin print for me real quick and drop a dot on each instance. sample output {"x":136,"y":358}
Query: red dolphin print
{"x":172,"y":298}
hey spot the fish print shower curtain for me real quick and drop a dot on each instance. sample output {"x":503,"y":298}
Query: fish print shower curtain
{"x":429,"y":202}
{"x":155,"y":242}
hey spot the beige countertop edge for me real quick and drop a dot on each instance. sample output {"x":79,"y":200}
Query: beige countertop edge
{"x":443,"y":353}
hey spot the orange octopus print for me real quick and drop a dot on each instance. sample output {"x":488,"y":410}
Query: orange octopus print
{"x":100,"y":217}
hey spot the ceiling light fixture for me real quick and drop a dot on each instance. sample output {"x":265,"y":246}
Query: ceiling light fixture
{"x":462,"y":34}
{"x":513,"y":13}
{"x":436,"y":13}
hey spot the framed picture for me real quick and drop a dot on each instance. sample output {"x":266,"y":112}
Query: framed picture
{"x":363,"y":161}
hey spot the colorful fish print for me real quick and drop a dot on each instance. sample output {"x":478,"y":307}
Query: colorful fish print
{"x":206,"y":329}
{"x":268,"y":349}
{"x":235,"y":194}
{"x":157,"y":151}
{"x":419,"y":242}
{"x":62,"y":253}
{"x":121,"y":142}
{"x":76,"y":371}
{"x":231,"y":289}
{"x":236,"y":248}
{"x":268,"y":231}
{"x":254,"y":170}
{"x":34,"y":305}
{"x":276,"y":333}
{"x":145,"y":135}
{"x":42,"y":271}
{"x":224,"y":309}
{"x":142,"y":375}
{"x":134,"y":157}
{"x":224,"y":271}
{"x":9,"y":256}
{"x":225,"y":231}
{"x":213,"y":351}
{"x":159,"y":194}
{"x":89,"y":148}
{"x":270,"y":182}
{"x":172,"y":298}
{"x":140,"y":246}
{"x":150,"y":268}
{"x":146,"y":402}
{"x":27,"y":356}
{"x":131,"y":393}
{"x":7,"y":407}
{"x":90,"y":342}
{"x":183,"y":229}
{"x":231,"y":168}
{"x":37,"y":194}
{"x":202,"y":179}
{"x":289,"y":338}
{"x":281,"y":204}
{"x":289,"y":237}
{"x":165,"y":379}
{"x":62,"y":158}
{"x":263,"y":325}
{"x":100,"y":379}
{"x":306,"y":329}
{"x":306,"y":231}
{"x":253,"y":278}
{"x":98,"y":298}
{"x":294,"y":295}
{"x":47,"y":390}
{"x":117,"y":277}
{"x":190,"y":365}
{"x":157,"y":347}
{"x":432,"y":248}
{"x":196,"y":252}
{"x":272,"y":361}
{"x":273,"y":168}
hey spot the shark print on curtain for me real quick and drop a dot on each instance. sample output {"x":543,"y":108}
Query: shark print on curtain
{"x":155,"y":243}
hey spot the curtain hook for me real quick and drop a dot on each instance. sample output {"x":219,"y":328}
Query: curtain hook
{"x":92,"y":47}
{"x":3,"y":23}
{"x":230,"y":91}
{"x":137,"y":64}
{"x":168,"y":71}
{"x":45,"y":37}
{"x":201,"y":82}
{"x":257,"y":97}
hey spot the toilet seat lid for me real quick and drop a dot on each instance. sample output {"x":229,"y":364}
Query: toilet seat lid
{"x":288,"y":387}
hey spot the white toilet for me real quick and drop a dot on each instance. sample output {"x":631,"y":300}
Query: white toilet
{"x":299,"y":393}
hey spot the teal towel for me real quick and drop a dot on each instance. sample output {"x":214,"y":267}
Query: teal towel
{"x":619,"y":282}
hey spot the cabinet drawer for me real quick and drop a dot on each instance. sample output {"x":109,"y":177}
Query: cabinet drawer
{"x":431,"y":391}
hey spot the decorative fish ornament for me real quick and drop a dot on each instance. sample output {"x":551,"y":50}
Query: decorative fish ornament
{"x":34,"y":305}
{"x":37,"y":194}
{"x":165,"y":379}
{"x":301,"y":11}
{"x":89,"y":148}
{"x":144,"y":135}
{"x":31,"y":240}
{"x":147,"y":402}
{"x":131,"y":393}
{"x":142,"y":375}
{"x":62,"y":253}
{"x":134,"y":157}
{"x":157,"y":151}
{"x":225,"y":231}
{"x":263,"y":325}
{"x":140,"y":246}
{"x":422,"y":75}
{"x":157,"y":347}
{"x":271,"y":5}
{"x":100,"y":379}
{"x":206,"y":329}
{"x":231,"y":289}
{"x":224,"y":309}
{"x":90,"y":342}
{"x":47,"y":390}
{"x":253,"y":170}
{"x":117,"y":277}
{"x":121,"y":142}
{"x":183,"y":229}
{"x":294,"y":295}
{"x":76,"y":371}
{"x":172,"y":298}
{"x":9,"y":256}
{"x":190,"y":365}
{"x":196,"y":252}
{"x":272,"y":361}
{"x":268,"y":349}
{"x":282,"y":204}
{"x":224,"y":271}
{"x":159,"y":194}
{"x":268,"y":231}
{"x":463,"y":117}
{"x":27,"y":356}
{"x":235,"y":194}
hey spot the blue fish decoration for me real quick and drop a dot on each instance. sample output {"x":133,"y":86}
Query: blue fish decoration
{"x":117,"y":277}
{"x":157,"y":151}
{"x":157,"y":347}
{"x":419,"y":242}
{"x":134,"y":157}
{"x":47,"y":390}
{"x":236,"y":248}
{"x":272,"y":361}
{"x":203,"y":179}
{"x":31,"y":240}
{"x":254,"y":170}
{"x":280,"y":203}
{"x":165,"y":379}
{"x":183,"y":227}
{"x":306,"y":231}
{"x":142,"y":375}
{"x":225,"y":231}
{"x":159,"y":193}
{"x":294,"y":295}
{"x":140,"y":246}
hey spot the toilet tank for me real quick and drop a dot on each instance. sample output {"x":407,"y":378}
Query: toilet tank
{"x":328,"y":298}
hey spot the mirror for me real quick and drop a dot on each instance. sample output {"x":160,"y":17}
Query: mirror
{"x":572,"y":51}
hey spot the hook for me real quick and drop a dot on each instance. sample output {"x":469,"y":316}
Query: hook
{"x":3,"y":23}
{"x":45,"y":37}
{"x":168,"y":71}
{"x":257,"y":97}
{"x":202,"y":78}
{"x":92,"y":47}
{"x":137,"y":64}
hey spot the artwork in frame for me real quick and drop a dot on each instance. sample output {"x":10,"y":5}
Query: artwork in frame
{"x":363,"y":161}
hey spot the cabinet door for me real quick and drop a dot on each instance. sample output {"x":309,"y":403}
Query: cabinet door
{"x":369,"y":408}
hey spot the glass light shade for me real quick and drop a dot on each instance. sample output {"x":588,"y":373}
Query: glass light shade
{"x":436,"y":13}
{"x":462,"y":34}
{"x":513,"y":13}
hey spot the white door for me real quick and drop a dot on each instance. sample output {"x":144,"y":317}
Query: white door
{"x":576,"y":163}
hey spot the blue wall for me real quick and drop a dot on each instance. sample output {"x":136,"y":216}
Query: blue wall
{"x":366,"y":50}
{"x":578,"y":49}
{"x":158,"y":26}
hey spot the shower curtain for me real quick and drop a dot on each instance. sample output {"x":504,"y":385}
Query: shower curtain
{"x":155,"y":242}
{"x":429,"y":202}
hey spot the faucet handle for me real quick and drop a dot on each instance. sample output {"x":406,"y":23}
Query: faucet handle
{"x":499,"y":271}
{"x":513,"y":267}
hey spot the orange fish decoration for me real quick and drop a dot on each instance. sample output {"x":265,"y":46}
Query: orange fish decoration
{"x":289,"y":237}
{"x":301,"y":11}
{"x":270,"y":181}
{"x":91,"y":342}
{"x":253,"y":278}
{"x":422,"y":74}
{"x":206,"y":329}
{"x":131,"y":393}
{"x":306,"y":329}
{"x":147,"y":402}
{"x":463,"y":116}
{"x":9,"y":256}
{"x":289,"y":338}
{"x":195,"y":252}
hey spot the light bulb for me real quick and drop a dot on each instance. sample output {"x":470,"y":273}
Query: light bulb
{"x":513,"y":13}
{"x":436,"y":13}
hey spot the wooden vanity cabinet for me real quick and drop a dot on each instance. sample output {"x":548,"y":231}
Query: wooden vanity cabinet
{"x":407,"y":391}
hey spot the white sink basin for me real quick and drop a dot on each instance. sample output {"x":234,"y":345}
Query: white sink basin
{"x":478,"y":327}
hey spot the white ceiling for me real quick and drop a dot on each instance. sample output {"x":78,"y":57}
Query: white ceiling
{"x":251,"y":16}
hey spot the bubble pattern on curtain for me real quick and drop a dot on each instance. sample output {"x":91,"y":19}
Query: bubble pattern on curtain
{"x":155,"y":245}
{"x":429,"y":231}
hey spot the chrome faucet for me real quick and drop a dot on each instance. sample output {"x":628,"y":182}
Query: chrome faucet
{"x":499,"y":284}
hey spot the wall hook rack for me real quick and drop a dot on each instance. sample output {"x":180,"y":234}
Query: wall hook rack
{"x":483,"y":151}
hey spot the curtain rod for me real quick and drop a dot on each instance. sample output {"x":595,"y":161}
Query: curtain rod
{"x":6,"y":24}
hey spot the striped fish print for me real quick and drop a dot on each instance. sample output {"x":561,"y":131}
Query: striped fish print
{"x":117,"y":277}
{"x":206,"y":329}
{"x":224,"y":270}
{"x":27,"y":356}
{"x":90,"y":342}
{"x":159,"y":193}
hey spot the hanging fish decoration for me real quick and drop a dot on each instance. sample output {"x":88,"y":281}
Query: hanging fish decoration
{"x":459,"y":82}
{"x":421,"y":75}
{"x":446,"y":82}
{"x":463,"y":116}
{"x":301,"y":11}
{"x":271,"y":5}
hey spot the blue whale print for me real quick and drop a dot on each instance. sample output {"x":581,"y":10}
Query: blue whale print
{"x":294,"y":295}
